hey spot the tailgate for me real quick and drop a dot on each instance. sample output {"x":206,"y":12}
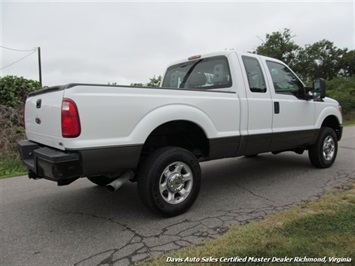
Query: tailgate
{"x":43,"y":117}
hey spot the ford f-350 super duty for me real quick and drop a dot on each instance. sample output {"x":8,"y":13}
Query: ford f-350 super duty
{"x":208,"y":107}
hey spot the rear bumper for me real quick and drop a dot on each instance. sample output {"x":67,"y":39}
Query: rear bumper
{"x":51,"y":164}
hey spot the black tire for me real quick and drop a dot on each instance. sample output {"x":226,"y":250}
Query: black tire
{"x":101,"y":181}
{"x":323,"y":153}
{"x":174,"y":192}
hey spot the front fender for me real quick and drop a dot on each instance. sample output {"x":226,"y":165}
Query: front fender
{"x":328,"y":112}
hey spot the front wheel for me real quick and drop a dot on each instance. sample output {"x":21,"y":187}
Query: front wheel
{"x":169,"y":181}
{"x":323,"y":153}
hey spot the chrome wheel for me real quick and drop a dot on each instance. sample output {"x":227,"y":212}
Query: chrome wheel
{"x":169,"y":181}
{"x":176,"y":182}
{"x":323,"y":152}
{"x":328,"y":148}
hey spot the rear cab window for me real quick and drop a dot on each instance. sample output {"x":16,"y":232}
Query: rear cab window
{"x":255,"y":75}
{"x":204,"y":73}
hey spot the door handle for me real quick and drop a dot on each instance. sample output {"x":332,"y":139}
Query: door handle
{"x":276,"y":107}
{"x":38,"y":103}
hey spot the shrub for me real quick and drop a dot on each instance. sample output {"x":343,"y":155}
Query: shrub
{"x":13,"y":93}
{"x":11,"y":130}
{"x":343,"y":90}
{"x":14,"y":90}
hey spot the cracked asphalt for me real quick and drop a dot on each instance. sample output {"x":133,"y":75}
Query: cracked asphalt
{"x":82,"y":224}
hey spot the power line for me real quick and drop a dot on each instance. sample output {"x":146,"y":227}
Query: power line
{"x":17,"y":50}
{"x":33,"y":51}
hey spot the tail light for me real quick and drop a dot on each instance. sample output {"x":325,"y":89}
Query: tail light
{"x":70,"y":119}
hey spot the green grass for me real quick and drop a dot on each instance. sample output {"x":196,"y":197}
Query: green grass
{"x":11,"y":167}
{"x":324,"y":228}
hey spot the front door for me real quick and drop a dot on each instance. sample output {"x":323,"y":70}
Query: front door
{"x":293,"y":116}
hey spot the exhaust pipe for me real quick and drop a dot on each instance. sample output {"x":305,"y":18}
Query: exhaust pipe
{"x":119,"y":182}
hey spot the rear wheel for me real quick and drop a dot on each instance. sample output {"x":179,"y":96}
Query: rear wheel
{"x":169,"y":181}
{"x":323,"y":153}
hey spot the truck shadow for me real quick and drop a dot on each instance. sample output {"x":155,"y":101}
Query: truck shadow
{"x":261,"y":167}
{"x":233,"y":191}
{"x":266,"y":173}
{"x":221,"y":181}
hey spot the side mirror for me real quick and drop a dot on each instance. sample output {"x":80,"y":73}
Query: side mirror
{"x":308,"y":93}
{"x":319,"y":89}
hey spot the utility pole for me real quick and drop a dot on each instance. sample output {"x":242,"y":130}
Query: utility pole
{"x":39,"y":66}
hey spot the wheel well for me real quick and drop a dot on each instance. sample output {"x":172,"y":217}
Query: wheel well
{"x":332,"y":122}
{"x":183,"y":134}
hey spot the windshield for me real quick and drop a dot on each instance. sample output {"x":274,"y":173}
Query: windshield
{"x":208,"y":73}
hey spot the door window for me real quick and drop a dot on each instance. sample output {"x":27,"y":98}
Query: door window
{"x":285,"y":82}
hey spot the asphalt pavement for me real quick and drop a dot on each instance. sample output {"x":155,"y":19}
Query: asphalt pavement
{"x":83,"y":224}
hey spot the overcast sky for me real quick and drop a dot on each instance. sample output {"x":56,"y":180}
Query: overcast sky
{"x":125,"y":42}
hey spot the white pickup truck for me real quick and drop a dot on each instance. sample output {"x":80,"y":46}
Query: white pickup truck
{"x":208,"y":107}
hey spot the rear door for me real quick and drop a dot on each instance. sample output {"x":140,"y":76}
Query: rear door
{"x":259,"y":106}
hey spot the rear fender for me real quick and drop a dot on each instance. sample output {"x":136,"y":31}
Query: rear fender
{"x":164,"y":114}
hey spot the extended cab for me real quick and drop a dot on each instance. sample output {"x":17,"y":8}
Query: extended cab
{"x":208,"y":107}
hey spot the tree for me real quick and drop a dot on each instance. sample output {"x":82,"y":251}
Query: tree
{"x":347,"y":64}
{"x":154,"y":82}
{"x":320,"y":60}
{"x":136,"y":85}
{"x":280,"y":45}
